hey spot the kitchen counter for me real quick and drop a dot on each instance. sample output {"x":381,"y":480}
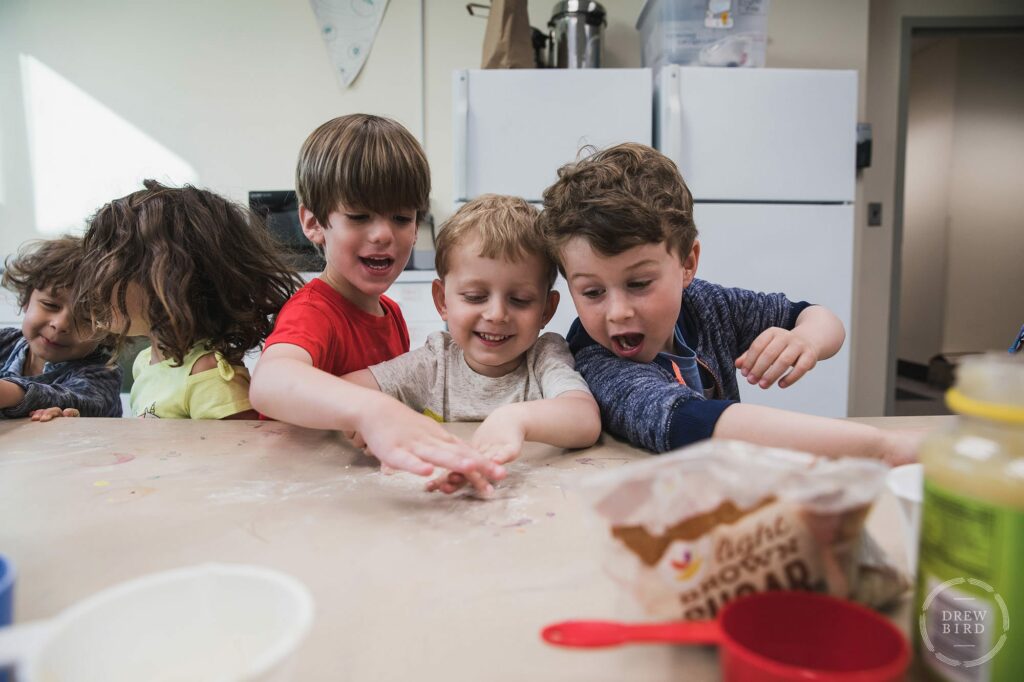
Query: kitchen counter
{"x":407,"y":585}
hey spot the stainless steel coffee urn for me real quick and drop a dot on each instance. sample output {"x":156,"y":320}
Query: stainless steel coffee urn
{"x":577,"y":34}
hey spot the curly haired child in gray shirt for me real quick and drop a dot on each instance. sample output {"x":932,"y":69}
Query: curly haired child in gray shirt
{"x":495,"y":292}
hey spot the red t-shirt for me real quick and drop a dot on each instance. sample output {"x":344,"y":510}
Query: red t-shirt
{"x":339,"y":337}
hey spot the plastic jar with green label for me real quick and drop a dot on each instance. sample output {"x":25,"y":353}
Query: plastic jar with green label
{"x":970,"y":582}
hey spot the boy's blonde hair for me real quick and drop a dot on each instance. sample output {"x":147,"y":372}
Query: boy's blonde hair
{"x":507,"y":228}
{"x":624,"y":196}
{"x":362,"y":161}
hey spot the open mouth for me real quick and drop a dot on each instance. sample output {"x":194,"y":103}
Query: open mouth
{"x":378,"y":263}
{"x":492,"y":339}
{"x":627,"y":344}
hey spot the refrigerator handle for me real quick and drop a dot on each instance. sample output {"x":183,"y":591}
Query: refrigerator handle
{"x":670,"y":119}
{"x":460,"y":130}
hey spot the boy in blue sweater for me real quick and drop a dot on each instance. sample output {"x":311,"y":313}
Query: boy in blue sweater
{"x":660,"y":348}
{"x":54,"y":365}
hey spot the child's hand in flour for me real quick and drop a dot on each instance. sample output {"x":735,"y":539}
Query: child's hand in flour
{"x":499,"y":439}
{"x":408,"y":441}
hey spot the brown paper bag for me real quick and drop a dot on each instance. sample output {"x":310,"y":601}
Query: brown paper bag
{"x":507,"y":37}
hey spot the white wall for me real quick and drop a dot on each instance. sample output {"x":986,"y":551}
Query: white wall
{"x":926,"y":199}
{"x":226,"y":91}
{"x":229,"y":89}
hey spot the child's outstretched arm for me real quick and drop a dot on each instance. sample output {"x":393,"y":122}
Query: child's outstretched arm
{"x":366,"y":379}
{"x":570,"y":420}
{"x":785,"y":355}
{"x":643,"y":404}
{"x":286,"y":386}
{"x":818,"y":435}
{"x":94,"y":390}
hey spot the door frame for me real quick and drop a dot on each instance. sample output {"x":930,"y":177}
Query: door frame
{"x":909,"y":27}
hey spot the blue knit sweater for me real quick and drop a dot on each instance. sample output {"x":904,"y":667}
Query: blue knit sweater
{"x":86,"y":384}
{"x":644,"y":404}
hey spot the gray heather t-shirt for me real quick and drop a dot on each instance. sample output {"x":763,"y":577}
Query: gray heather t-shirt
{"x":436,"y":380}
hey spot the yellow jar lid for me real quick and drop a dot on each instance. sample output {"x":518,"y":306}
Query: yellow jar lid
{"x":962,"y":404}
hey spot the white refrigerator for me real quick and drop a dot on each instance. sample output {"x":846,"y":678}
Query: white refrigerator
{"x":513,"y":129}
{"x":769,"y":155}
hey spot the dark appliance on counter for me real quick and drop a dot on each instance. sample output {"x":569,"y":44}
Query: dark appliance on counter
{"x":280,"y":210}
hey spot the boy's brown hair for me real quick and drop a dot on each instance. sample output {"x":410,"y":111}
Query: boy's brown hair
{"x":208,"y":268}
{"x":618,"y":198}
{"x":362,"y":161}
{"x":52,"y":264}
{"x":507,"y":228}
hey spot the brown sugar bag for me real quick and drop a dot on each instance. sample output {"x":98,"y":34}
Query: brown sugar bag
{"x":690,"y":531}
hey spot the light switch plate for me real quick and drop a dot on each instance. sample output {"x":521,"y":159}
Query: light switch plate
{"x":874,"y":215}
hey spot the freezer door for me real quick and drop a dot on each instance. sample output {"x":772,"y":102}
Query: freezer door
{"x":513,"y":129}
{"x":760,"y":134}
{"x":804,"y":251}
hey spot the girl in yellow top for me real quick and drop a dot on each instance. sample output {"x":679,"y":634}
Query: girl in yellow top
{"x":198,"y":275}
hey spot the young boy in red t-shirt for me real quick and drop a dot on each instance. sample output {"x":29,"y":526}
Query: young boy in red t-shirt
{"x":363,"y":184}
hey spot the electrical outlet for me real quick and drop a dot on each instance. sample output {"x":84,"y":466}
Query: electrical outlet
{"x":874,"y":215}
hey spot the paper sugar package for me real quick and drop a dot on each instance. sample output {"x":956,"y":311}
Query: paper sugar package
{"x":691,"y":530}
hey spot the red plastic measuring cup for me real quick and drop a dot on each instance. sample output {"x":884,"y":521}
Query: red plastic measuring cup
{"x":771,"y":636}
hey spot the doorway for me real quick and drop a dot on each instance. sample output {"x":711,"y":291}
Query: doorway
{"x":962,"y":225}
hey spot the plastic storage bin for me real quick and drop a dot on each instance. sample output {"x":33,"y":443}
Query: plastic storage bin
{"x":703,"y":32}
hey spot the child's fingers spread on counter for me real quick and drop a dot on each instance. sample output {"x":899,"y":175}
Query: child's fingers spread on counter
{"x":491,"y":469}
{"x":435,"y":484}
{"x":456,"y":456}
{"x":501,"y":454}
{"x":480,"y":484}
{"x":47,"y":414}
{"x":453,"y":481}
{"x":404,"y":460}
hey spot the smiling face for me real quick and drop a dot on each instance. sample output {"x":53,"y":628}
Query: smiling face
{"x":495,"y":308}
{"x":49,"y":328}
{"x":365,"y":251}
{"x":629,"y":302}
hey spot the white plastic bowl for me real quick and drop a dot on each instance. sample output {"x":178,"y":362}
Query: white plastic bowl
{"x":212,"y":622}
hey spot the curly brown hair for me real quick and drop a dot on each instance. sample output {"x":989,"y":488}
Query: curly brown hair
{"x":506,"y":227}
{"x":364,"y":161}
{"x":52,"y":264}
{"x":207,"y":267}
{"x":618,"y":198}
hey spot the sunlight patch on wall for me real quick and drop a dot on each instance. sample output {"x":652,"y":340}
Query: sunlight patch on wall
{"x":82,"y":154}
{"x":3,"y":198}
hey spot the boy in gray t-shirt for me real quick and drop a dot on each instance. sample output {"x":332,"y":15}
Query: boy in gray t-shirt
{"x":494,"y":291}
